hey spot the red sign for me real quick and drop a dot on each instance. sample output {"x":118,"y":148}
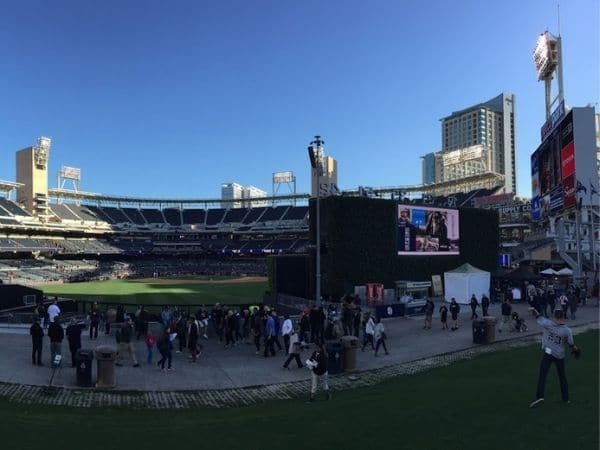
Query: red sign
{"x":567,"y":160}
{"x":569,"y":191}
{"x":375,"y":293}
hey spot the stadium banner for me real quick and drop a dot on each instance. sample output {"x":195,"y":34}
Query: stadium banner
{"x":536,"y":210}
{"x":569,"y":185}
{"x":567,"y":160}
{"x":426,"y":230}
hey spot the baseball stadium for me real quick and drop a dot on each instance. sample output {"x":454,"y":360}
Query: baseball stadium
{"x":412,"y":316}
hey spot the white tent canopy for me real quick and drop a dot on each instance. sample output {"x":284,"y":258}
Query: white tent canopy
{"x":464,"y":281}
{"x":565,"y":272}
{"x":548,"y":271}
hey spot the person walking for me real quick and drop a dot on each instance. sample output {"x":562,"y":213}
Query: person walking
{"x":555,"y":335}
{"x":444,"y":316}
{"x":56,"y":335}
{"x":369,"y":333}
{"x":256,"y":327}
{"x":506,"y":310}
{"x":229,"y":326}
{"x":356,"y":315}
{"x":73,"y":333}
{"x":563,"y":301}
{"x":193,"y":335}
{"x":277,"y":330}
{"x":474,"y":303}
{"x":94,"y":321}
{"x":429,"y":307}
{"x":454,"y":312}
{"x":286,"y":331}
{"x":269,"y":335}
{"x":573,"y":303}
{"x":380,"y":337}
{"x":318,"y":364}
{"x":124,"y":339}
{"x":150,"y":341}
{"x":485,"y":304}
{"x":37,"y":341}
{"x":294,"y":349}
{"x":181,"y":327}
{"x":165,"y":348}
{"x":305,"y":326}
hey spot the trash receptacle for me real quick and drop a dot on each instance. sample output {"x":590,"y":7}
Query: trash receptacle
{"x":83,"y":367}
{"x":335,"y":357}
{"x":479,"y":331}
{"x":351,"y":344}
{"x":490,"y":329}
{"x":106,"y":356}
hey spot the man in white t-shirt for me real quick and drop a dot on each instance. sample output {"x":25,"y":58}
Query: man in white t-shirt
{"x":286,"y":331}
{"x":53,"y":311}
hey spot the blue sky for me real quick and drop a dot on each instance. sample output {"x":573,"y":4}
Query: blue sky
{"x":170,"y":99}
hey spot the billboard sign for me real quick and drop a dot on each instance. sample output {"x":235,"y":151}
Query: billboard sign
{"x":283,"y":177}
{"x":425,"y":230}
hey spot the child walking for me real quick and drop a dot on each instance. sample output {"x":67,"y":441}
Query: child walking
{"x":150,"y":344}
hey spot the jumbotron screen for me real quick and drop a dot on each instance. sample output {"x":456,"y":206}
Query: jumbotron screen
{"x":427,"y":231}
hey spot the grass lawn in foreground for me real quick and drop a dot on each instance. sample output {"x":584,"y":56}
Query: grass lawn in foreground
{"x":477,"y":404}
{"x":162,"y":291}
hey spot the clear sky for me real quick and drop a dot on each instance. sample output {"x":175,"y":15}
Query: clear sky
{"x":172,"y":98}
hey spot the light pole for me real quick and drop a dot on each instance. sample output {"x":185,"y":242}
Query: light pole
{"x":315,"y":153}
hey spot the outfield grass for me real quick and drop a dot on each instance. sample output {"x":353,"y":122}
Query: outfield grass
{"x":163,"y":291}
{"x":477,"y":404}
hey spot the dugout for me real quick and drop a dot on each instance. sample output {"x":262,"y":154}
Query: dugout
{"x":13,"y":296}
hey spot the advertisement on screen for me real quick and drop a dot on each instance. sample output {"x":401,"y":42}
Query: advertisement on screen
{"x":427,"y":231}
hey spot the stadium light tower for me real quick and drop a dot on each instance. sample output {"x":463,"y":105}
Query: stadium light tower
{"x":315,"y":153}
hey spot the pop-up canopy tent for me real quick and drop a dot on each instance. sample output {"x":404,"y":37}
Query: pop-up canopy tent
{"x":464,"y":281}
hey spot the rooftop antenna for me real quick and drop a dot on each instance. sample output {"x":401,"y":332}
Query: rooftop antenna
{"x":558,"y":14}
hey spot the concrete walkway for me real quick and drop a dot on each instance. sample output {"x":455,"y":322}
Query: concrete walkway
{"x":225,"y":377}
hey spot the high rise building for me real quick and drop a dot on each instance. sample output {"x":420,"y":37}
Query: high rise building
{"x":477,"y":140}
{"x":245,"y":194}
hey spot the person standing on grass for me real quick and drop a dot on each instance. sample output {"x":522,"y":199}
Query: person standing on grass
{"x":286,"y":331}
{"x":429,"y":307}
{"x":74,"y":337}
{"x":294,"y":349}
{"x":369,"y":332}
{"x":56,"y":335}
{"x":444,"y":316}
{"x":193,"y":335}
{"x":555,"y":335}
{"x":164,"y":347}
{"x":380,"y":336}
{"x":318,"y":362}
{"x":37,"y":341}
{"x":150,"y":341}
{"x":454,"y":311}
{"x":474,"y":303}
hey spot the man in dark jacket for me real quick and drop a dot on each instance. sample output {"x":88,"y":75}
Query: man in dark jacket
{"x":37,"y":338}
{"x":318,"y":364}
{"x":124,"y":338}
{"x":485,"y":304}
{"x":474,"y":303}
{"x":94,"y":321}
{"x":56,"y":335}
{"x":74,"y":336}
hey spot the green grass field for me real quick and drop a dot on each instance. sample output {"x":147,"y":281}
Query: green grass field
{"x":477,"y":404}
{"x":163,"y":291}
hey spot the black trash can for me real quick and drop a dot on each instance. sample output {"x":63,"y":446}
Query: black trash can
{"x":479,"y":331}
{"x":83,"y":360}
{"x":335,"y":357}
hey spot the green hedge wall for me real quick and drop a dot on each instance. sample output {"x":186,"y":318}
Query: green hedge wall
{"x":358,"y":244}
